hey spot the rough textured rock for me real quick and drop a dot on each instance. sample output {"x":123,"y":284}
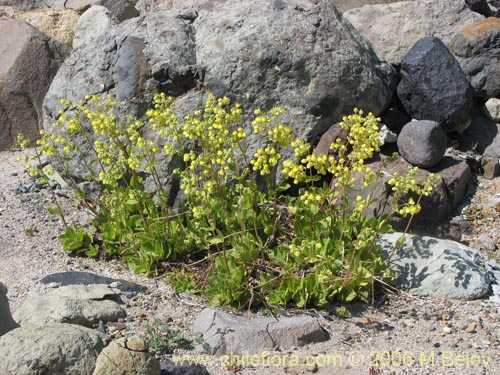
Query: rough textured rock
{"x":429,"y":266}
{"x":306,"y":56}
{"x":477,"y":47}
{"x":6,"y":322}
{"x":76,"y":304}
{"x":57,"y":24}
{"x":54,"y":349}
{"x":422,"y":143}
{"x":433,"y":86}
{"x":96,"y":21}
{"x":126,"y":356}
{"x":28,"y":62}
{"x":225,"y":333}
{"x":394,"y":28}
{"x":492,"y":109}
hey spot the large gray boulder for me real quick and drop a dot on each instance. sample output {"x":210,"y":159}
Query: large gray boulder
{"x":53,"y":349}
{"x":433,"y":86}
{"x":226,"y":333}
{"x":394,"y":28}
{"x":126,"y":356}
{"x":303,"y":54}
{"x":438,"y":268}
{"x":477,"y":47}
{"x":6,"y":322}
{"x":28,"y":62}
{"x":94,"y":22}
{"x":77,"y":304}
{"x":422,"y":143}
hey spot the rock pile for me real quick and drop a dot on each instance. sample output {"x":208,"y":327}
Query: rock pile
{"x":56,"y":335}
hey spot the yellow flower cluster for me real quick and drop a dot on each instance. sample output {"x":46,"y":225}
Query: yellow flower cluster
{"x":309,"y":197}
{"x":265,"y":159}
{"x":409,"y":183}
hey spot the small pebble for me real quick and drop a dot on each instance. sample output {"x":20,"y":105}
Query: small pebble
{"x":447,"y":330}
{"x":54,"y":285}
{"x":115,"y":284}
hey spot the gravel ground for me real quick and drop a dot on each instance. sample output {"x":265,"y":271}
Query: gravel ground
{"x":401,"y":334}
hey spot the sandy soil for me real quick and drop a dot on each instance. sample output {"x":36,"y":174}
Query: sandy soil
{"x":401,"y":334}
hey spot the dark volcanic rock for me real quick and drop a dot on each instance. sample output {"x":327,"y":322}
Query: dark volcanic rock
{"x":433,"y":86}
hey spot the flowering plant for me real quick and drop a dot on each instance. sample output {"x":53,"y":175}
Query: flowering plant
{"x":240,"y":242}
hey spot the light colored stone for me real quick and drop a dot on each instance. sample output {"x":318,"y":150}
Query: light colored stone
{"x":53,"y":349}
{"x":438,"y":268}
{"x":492,"y":109}
{"x":127,"y":356}
{"x":226,"y":333}
{"x":93,"y":23}
{"x":76,"y":304}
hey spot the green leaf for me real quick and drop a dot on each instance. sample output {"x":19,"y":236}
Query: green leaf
{"x":93,"y":251}
{"x":400,"y":242}
{"x":55,"y":210}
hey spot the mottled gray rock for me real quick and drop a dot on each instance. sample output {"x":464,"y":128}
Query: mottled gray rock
{"x":126,"y":356}
{"x":226,"y":333}
{"x":422,"y":143}
{"x":53,"y":349}
{"x":28,"y":62}
{"x":306,"y":57}
{"x":92,"y":24}
{"x":477,"y":47}
{"x":76,"y":304}
{"x":438,"y":268}
{"x":6,"y":322}
{"x":433,"y":86}
{"x":394,"y":28}
{"x":492,"y":109}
